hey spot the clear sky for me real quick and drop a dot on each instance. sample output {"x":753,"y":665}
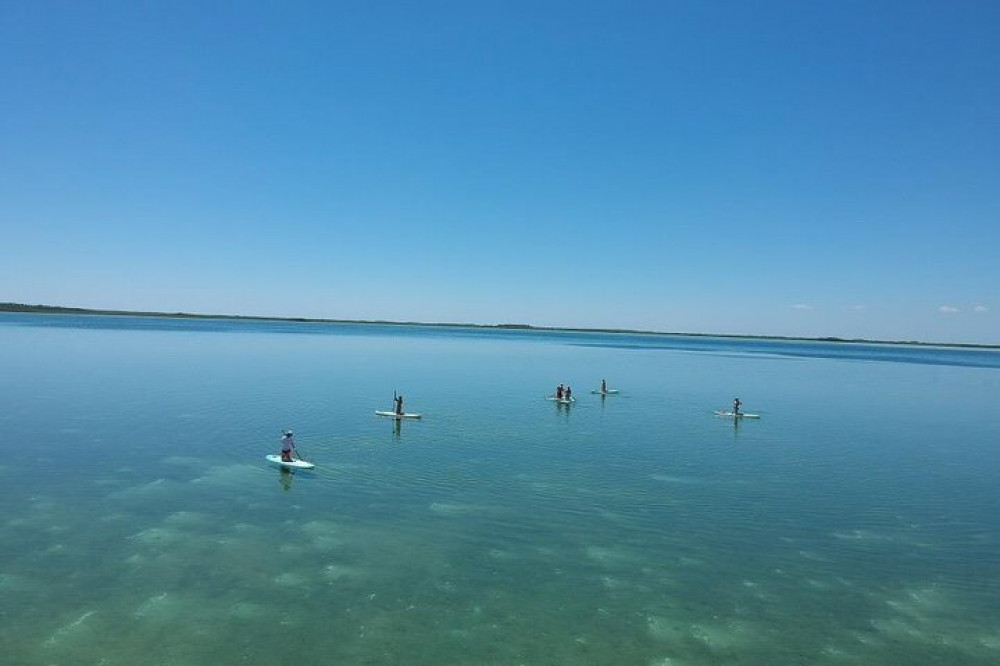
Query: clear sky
{"x":803,"y":168}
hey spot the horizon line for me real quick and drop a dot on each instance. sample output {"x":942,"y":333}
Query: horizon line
{"x":61,"y":309}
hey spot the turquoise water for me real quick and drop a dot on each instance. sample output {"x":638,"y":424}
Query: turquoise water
{"x":854,"y":523}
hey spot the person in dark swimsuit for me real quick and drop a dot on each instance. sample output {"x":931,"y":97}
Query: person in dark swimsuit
{"x":288,"y":447}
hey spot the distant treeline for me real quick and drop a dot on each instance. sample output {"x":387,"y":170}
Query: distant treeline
{"x":58,"y":309}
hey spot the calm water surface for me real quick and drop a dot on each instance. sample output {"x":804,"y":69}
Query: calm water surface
{"x":854,"y":523}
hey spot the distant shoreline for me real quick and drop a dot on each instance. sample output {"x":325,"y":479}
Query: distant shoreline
{"x":57,"y":309}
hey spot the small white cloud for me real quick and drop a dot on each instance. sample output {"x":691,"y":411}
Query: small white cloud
{"x":980,"y":308}
{"x":948,"y":309}
{"x":857,"y":308}
{"x":802,"y":306}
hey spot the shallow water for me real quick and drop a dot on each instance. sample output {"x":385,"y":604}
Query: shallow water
{"x":854,"y":523}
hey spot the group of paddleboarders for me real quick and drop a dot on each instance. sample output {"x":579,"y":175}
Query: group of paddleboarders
{"x":289,"y":454}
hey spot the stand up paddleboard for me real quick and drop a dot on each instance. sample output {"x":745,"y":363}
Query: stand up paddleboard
{"x":295,"y":464}
{"x":608,"y":392}
{"x":741,"y":415}
{"x":405,"y":415}
{"x":561,"y":401}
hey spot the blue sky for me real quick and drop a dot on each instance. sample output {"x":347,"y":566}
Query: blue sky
{"x":776,"y":168}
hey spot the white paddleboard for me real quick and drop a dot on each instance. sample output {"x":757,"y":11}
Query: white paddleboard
{"x":741,"y":415}
{"x":295,"y":464}
{"x":561,"y":401}
{"x":405,"y":415}
{"x":608,"y":392}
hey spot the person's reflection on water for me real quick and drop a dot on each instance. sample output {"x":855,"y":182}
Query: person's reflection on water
{"x":397,"y":427}
{"x":285,"y":478}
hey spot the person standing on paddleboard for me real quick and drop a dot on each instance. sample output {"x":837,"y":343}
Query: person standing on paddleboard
{"x":559,"y":392}
{"x":736,"y":406}
{"x":569,"y":393}
{"x":288,"y":447}
{"x":399,"y":404}
{"x":604,"y":386}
